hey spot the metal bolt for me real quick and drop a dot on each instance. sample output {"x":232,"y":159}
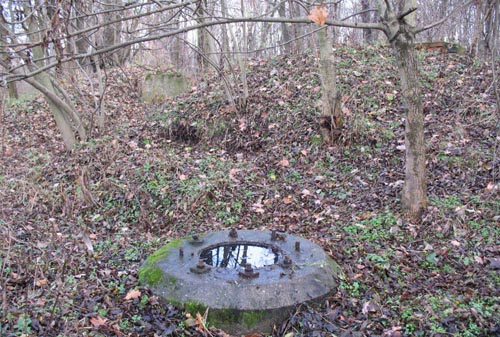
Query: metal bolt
{"x":273,"y":235}
{"x":233,"y":233}
{"x":287,"y":261}
{"x":297,"y":246}
{"x":200,"y":268}
{"x":248,"y":268}
{"x":196,"y":240}
{"x":248,"y":272}
{"x":181,"y":252}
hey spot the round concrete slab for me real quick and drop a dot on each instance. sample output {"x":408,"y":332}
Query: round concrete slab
{"x":249,"y":280}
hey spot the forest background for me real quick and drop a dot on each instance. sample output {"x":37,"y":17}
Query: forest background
{"x":369,"y":127}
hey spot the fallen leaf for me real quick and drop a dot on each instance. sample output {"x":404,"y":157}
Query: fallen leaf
{"x":98,"y":321}
{"x":132,"y":295}
{"x":494,"y":263}
{"x":284,"y":162}
{"x":305,"y":192}
{"x":318,"y":15}
{"x":190,"y":322}
{"x":41,"y":282}
{"x":258,"y":208}
{"x":87,"y":242}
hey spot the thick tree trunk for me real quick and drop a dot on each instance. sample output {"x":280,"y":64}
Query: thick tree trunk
{"x":331,"y":115}
{"x":414,"y":196}
{"x":285,"y":34}
{"x":399,"y":28}
{"x":366,"y":17}
{"x":67,"y":120}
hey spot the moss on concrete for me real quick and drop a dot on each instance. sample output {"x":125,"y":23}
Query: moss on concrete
{"x":226,"y":317}
{"x":150,"y":273}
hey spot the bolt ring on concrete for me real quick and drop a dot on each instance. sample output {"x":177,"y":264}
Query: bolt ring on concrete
{"x":245,"y":295}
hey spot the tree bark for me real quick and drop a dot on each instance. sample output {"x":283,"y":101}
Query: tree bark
{"x":285,"y":34}
{"x":331,"y":120}
{"x":366,"y":17}
{"x":400,"y":29}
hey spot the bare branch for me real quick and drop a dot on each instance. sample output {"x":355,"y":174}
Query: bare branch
{"x":220,"y":21}
{"x":408,"y":12}
{"x":440,"y":22}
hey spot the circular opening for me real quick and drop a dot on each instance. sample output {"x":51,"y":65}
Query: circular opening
{"x":237,"y":255}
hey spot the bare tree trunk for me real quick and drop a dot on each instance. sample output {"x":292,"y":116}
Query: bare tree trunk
{"x":67,"y":119}
{"x":478,"y":48}
{"x":203,"y":36}
{"x":242,"y":62}
{"x":331,"y":115}
{"x":285,"y":34}
{"x":225,"y":37}
{"x":400,"y":31}
{"x":366,"y":17}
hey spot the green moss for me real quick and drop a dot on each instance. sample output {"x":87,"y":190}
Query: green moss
{"x":221,"y":317}
{"x":251,"y":318}
{"x":149,"y":273}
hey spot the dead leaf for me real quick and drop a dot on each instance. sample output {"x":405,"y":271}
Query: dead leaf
{"x":258,"y":208}
{"x":232,"y":174}
{"x":284,"y":162}
{"x":243,"y":125}
{"x":190,"y":322}
{"x":87,"y":242}
{"x":98,"y":321}
{"x":369,"y":307}
{"x":132,"y":295}
{"x":287,"y":200}
{"x":41,"y":282}
{"x":318,"y":15}
{"x":305,"y":192}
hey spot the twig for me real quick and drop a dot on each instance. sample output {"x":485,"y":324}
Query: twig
{"x":3,"y":276}
{"x":3,"y":122}
{"x":437,"y":23}
{"x":408,"y":12}
{"x":497,"y":127}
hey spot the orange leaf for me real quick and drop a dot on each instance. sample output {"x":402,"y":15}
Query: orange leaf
{"x":98,"y":321}
{"x":284,"y":162}
{"x":318,"y":15}
{"x":132,"y":295}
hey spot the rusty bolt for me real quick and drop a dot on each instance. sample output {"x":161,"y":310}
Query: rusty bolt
{"x":248,"y":272}
{"x":201,"y":267}
{"x":248,"y":268}
{"x":287,"y":261}
{"x":233,"y":233}
{"x":181,"y":252}
{"x":297,"y":246}
{"x":196,"y":240}
{"x":201,"y":264}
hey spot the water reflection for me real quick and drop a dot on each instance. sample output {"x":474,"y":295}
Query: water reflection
{"x":235,"y":256}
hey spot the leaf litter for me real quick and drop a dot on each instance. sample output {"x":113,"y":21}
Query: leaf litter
{"x":77,"y":226}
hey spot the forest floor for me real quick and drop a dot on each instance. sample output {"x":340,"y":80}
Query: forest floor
{"x":75,"y":227}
